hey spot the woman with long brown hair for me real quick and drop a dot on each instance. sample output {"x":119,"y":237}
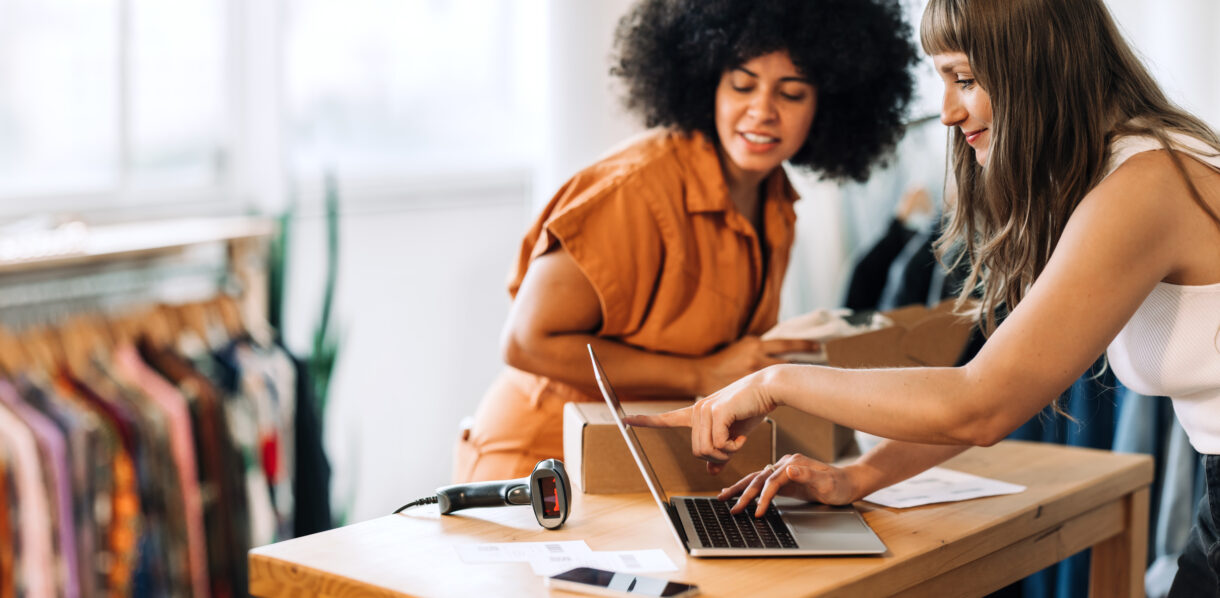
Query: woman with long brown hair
{"x":1089,"y":210}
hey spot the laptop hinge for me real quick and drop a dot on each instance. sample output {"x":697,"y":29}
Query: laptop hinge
{"x":673,"y":516}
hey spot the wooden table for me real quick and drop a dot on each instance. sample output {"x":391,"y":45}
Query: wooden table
{"x":1076,"y":498}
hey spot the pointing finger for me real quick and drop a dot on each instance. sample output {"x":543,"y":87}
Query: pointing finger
{"x":679,"y":418}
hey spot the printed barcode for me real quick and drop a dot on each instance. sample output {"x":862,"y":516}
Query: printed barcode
{"x":965,"y":490}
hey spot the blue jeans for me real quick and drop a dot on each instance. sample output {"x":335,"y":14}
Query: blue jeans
{"x":1199,"y":565}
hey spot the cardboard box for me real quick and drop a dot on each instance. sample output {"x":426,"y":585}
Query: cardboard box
{"x":598,"y":462}
{"x":919,"y":337}
{"x":809,"y":435}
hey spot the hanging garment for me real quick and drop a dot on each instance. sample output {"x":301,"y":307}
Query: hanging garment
{"x":222,"y":481}
{"x":9,"y":539}
{"x":869,"y":276}
{"x":182,"y":448}
{"x":123,"y":536}
{"x":89,"y":459}
{"x":311,"y":481}
{"x":58,"y":475}
{"x":36,"y":578}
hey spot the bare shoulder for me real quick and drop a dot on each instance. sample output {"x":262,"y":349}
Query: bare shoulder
{"x":1134,"y":197}
{"x":1150,"y":185}
{"x":1150,"y":200}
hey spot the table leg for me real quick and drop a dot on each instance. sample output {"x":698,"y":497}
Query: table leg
{"x":1118,"y":563}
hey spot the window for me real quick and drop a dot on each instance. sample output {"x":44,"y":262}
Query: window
{"x":111,"y":99}
{"x":178,"y":120}
{"x":133,"y":103}
{"x":392,"y":88}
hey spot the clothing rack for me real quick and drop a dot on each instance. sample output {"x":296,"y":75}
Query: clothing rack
{"x":154,"y":335}
{"x":152,"y":260}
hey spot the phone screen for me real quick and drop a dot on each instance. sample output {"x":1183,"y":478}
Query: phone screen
{"x":635,"y":585}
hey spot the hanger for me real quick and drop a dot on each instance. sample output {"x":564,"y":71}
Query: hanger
{"x":76,"y":339}
{"x":194,"y":319}
{"x":122,"y":330}
{"x":227,"y":310}
{"x":13,"y":359}
{"x":43,"y":349}
{"x":151,"y":325}
{"x":240,"y":325}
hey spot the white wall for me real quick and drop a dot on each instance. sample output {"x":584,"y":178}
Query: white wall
{"x":1179,"y":43}
{"x":583,"y":115}
{"x":419,"y":307}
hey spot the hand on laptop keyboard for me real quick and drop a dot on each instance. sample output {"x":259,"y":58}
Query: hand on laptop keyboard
{"x":718,"y":528}
{"x":793,"y":475}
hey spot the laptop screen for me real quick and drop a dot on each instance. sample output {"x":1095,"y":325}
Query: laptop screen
{"x":633,"y":443}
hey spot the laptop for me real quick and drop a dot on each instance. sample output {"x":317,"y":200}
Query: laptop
{"x":704,"y":526}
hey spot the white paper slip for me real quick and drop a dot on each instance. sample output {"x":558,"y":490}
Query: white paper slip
{"x":940,"y":485}
{"x":623,"y":561}
{"x":520,"y":552}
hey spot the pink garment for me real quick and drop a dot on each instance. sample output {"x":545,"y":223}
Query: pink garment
{"x":51,"y":441}
{"x":182,"y":446}
{"x":37,"y":562}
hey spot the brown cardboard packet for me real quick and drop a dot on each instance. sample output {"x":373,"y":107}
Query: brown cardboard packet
{"x":598,"y":462}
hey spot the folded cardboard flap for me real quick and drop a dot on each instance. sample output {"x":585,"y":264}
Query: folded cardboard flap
{"x":919,"y":337}
{"x":598,"y":462}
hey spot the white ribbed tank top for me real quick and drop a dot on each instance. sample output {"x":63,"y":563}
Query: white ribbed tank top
{"x":1171,"y":346}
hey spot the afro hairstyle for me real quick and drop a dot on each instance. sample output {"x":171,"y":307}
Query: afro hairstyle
{"x":671,"y":54}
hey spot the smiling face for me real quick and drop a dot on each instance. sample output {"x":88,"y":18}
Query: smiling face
{"x":763,"y":111}
{"x":966,"y":105}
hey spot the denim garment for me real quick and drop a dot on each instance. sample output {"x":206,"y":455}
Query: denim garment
{"x":1199,"y":566}
{"x":1148,"y":425}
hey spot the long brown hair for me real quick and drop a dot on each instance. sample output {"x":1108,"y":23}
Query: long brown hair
{"x":1063,"y":84}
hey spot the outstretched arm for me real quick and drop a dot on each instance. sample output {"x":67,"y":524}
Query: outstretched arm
{"x":556,"y":313}
{"x":1122,"y":240}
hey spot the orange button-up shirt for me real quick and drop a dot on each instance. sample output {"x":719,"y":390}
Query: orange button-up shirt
{"x":676,"y":267}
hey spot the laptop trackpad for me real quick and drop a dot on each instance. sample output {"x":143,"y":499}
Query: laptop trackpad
{"x":826,"y":522}
{"x":830,"y":528}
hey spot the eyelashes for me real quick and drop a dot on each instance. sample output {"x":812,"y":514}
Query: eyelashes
{"x":793,"y":97}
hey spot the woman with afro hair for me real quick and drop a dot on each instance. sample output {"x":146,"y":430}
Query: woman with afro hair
{"x":668,"y":254}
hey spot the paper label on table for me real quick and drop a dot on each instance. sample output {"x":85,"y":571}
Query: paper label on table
{"x":940,"y":485}
{"x":623,"y":561}
{"x":520,"y":552}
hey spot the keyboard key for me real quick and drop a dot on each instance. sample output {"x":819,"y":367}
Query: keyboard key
{"x":717,"y":527}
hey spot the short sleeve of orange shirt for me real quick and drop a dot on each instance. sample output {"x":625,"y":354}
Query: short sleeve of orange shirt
{"x":676,"y":267}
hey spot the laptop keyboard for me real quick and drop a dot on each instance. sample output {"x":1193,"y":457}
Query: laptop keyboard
{"x":720,"y":529}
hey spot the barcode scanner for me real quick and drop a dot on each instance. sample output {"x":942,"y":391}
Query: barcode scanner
{"x":547,"y":489}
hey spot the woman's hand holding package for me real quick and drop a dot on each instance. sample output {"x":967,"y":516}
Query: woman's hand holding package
{"x":793,"y":475}
{"x":746,"y":356}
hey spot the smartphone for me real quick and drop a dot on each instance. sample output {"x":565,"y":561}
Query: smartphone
{"x":588,"y":580}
